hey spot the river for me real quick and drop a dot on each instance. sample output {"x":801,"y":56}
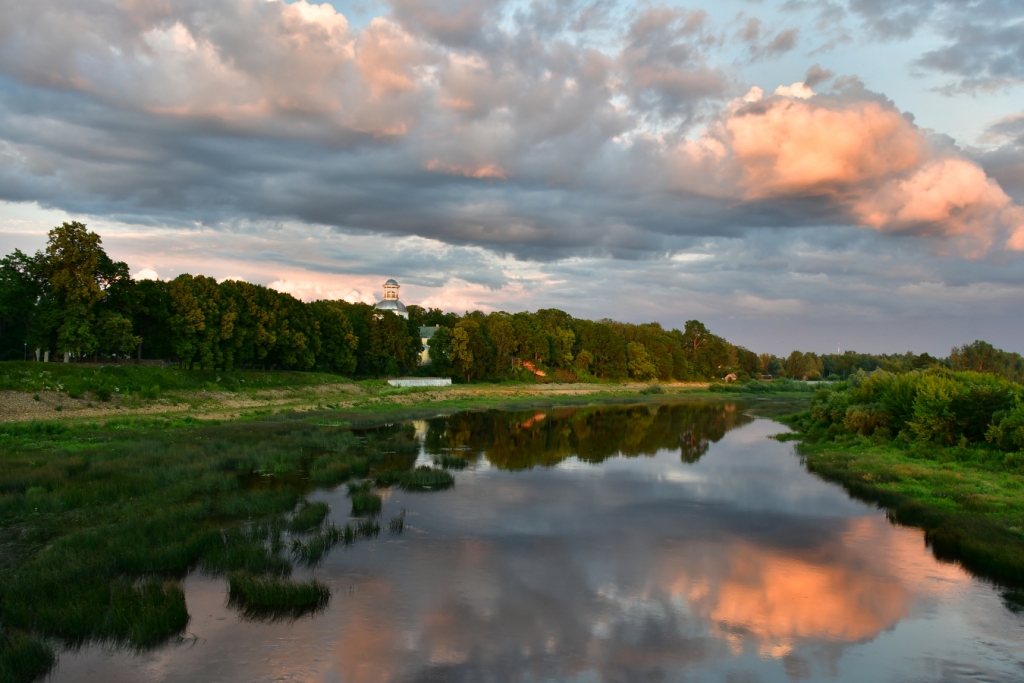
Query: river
{"x":644,"y":543}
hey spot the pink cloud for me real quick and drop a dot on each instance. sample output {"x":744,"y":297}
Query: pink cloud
{"x":483,"y":171}
{"x":868,"y":160}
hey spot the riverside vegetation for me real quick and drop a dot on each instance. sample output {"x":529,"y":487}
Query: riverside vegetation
{"x":100,"y":525}
{"x":942,"y":450}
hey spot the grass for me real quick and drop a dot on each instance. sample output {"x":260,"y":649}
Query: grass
{"x":368,"y":528}
{"x":307,"y":517}
{"x":778,"y":386}
{"x":22,"y":657}
{"x":450,"y":462}
{"x":99,"y":523}
{"x":272,"y":598}
{"x":970,"y":515}
{"x":148,"y":381}
{"x":422,"y":478}
{"x":397,"y":523}
{"x":311,"y":551}
{"x":366,"y":503}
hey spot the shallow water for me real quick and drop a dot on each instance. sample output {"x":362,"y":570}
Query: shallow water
{"x":666,"y":544}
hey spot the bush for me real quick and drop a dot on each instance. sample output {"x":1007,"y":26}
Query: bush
{"x":937,"y":407}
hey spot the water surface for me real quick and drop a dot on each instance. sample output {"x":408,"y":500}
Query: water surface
{"x":671,"y":543}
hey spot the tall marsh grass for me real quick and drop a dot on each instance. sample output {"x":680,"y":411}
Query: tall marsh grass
{"x":271,"y":597}
{"x":100,"y":523}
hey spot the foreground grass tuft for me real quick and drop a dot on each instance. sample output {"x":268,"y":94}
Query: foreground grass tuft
{"x":422,"y":478}
{"x":312,"y":550}
{"x":22,"y":657}
{"x":451,"y":462}
{"x":364,"y":501}
{"x":271,"y":597}
{"x":307,"y":517}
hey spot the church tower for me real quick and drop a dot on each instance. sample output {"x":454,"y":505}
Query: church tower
{"x":391,"y":302}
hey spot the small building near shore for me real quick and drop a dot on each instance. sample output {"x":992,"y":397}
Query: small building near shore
{"x":421,"y":382}
{"x":426,"y":333}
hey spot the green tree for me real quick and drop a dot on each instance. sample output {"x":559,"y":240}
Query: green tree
{"x":606,"y":348}
{"x":338,"y":343}
{"x":462,"y":354}
{"x":440,"y":348}
{"x":983,"y":357}
{"x":78,"y":274}
{"x":20,"y":290}
{"x":187,"y":321}
{"x":641,"y":367}
{"x":503,"y":340}
{"x":114,"y":332}
{"x":388,"y":351}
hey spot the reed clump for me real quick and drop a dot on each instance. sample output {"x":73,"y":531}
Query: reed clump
{"x":311,"y":551}
{"x":364,"y":501}
{"x":397,"y":523}
{"x":307,"y":517}
{"x":22,"y":657}
{"x":450,"y":462}
{"x":100,"y":521}
{"x":422,"y":478}
{"x":368,"y":528}
{"x":272,"y":597}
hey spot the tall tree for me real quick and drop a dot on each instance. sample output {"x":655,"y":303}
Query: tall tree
{"x":78,"y":273}
{"x":338,"y":343}
{"x":21,"y":287}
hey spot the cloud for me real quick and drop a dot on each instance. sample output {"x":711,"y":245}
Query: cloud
{"x":511,"y":156}
{"x":816,"y":75}
{"x":268,"y":110}
{"x":854,"y":157}
{"x":983,"y":39}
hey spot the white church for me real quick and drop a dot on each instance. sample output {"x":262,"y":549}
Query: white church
{"x":391,"y":303}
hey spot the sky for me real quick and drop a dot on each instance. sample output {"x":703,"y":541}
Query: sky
{"x":812,"y":174}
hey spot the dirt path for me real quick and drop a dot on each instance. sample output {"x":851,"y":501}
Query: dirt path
{"x":17,"y":406}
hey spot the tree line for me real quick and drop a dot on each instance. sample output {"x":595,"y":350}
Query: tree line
{"x":72,"y":300}
{"x":979,"y":356}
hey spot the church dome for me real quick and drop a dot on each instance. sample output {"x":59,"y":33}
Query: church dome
{"x":391,"y":305}
{"x":391,"y":302}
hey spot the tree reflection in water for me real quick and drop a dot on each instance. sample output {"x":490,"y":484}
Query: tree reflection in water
{"x":525,"y":439}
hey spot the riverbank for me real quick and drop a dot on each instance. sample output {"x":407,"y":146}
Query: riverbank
{"x":940,"y":450}
{"x":970,"y":515}
{"x":75,"y":393}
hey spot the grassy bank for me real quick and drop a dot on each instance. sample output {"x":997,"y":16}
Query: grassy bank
{"x":969,"y":515}
{"x":939,"y":450}
{"x":103,"y":381}
{"x":75,"y":393}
